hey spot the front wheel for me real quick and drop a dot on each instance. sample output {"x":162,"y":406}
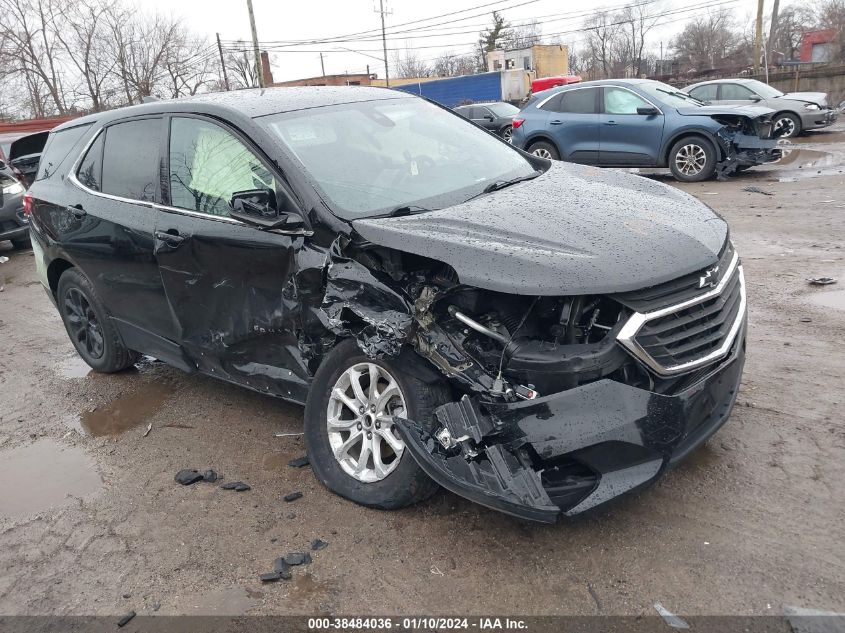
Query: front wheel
{"x":544,"y":150}
{"x":692,"y":159}
{"x":787,"y":125}
{"x":354,"y":449}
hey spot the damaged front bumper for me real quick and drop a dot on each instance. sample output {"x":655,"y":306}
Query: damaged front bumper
{"x":574,"y":450}
{"x":744,"y":150}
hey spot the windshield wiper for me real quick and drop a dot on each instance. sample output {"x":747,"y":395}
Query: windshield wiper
{"x":682,"y":95}
{"x":406,"y":209}
{"x":501,"y":184}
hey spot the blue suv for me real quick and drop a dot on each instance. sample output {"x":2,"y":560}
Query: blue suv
{"x":643,"y":123}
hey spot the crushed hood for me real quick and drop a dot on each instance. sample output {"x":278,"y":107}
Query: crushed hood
{"x":713,"y":110}
{"x":819,"y":98}
{"x":573,"y":230}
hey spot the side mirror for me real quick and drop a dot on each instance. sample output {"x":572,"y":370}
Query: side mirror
{"x":647,"y":110}
{"x":488,"y":117}
{"x":756,"y":98}
{"x":257,"y":207}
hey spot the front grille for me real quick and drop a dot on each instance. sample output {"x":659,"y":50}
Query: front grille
{"x":691,"y":333}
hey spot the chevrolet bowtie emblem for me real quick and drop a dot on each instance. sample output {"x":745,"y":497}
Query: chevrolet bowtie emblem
{"x":709,"y":278}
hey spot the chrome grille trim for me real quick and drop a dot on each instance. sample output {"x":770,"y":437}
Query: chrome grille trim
{"x":627,"y":335}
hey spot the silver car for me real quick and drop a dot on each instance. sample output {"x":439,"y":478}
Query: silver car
{"x":796,"y":111}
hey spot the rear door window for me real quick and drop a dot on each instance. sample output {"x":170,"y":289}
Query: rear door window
{"x":580,"y":101}
{"x":705,"y":93}
{"x":90,"y":172}
{"x":57,"y":149}
{"x":131,"y":159}
{"x":735,"y":92}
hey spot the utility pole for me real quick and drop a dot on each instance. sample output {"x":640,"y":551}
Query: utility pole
{"x":758,"y":37}
{"x":258,"y":74}
{"x":322,"y":66}
{"x":223,"y":63}
{"x":384,"y":43}
{"x":773,"y":29}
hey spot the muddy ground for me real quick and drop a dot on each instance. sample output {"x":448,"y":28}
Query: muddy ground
{"x":91,"y":521}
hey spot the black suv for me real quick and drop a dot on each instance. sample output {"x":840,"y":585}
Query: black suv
{"x":537,"y":337}
{"x":496,"y":117}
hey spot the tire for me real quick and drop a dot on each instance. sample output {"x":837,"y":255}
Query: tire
{"x":692,"y":159}
{"x":99,"y":344}
{"x":22,"y":243}
{"x":789,"y":120}
{"x":507,"y":133}
{"x":544,"y":149}
{"x":405,"y":483}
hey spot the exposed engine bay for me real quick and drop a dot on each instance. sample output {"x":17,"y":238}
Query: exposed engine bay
{"x":745,"y":142}
{"x":511,"y":359}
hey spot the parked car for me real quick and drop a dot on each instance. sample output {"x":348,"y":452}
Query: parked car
{"x":643,"y":123}
{"x":14,"y":225}
{"x":535,"y":336}
{"x":796,"y":112}
{"x":24,"y":154}
{"x":496,"y":117}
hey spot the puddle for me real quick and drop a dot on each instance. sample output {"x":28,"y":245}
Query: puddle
{"x":835,"y":300}
{"x":44,"y":475}
{"x":128,"y":411}
{"x":799,"y":163}
{"x":306,"y":587}
{"x":232,"y":600}
{"x":73,"y":367}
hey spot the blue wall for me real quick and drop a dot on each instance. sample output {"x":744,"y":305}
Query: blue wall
{"x":452,"y":91}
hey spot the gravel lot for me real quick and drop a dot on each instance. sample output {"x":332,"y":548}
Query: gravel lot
{"x":91,"y":521}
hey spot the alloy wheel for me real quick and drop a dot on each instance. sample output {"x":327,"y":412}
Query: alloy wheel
{"x":507,"y":134}
{"x":542,"y":152}
{"x":84,"y":326}
{"x":359,"y":421}
{"x":691,"y":159}
{"x":787,"y":125}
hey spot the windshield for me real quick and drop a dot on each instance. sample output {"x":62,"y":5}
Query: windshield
{"x":503,"y":109}
{"x":764,"y":90}
{"x":369,"y":158}
{"x":669,"y":95}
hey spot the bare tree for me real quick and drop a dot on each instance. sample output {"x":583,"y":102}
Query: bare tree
{"x":29,"y":29}
{"x":523,"y":36}
{"x":602,"y":41}
{"x":496,"y":35}
{"x":407,"y":63}
{"x":706,"y":40}
{"x":449,"y":64}
{"x":240,"y":62}
{"x":636,"y":21}
{"x":190,"y":64}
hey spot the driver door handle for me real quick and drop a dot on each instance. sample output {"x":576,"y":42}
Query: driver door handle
{"x":556,"y":122}
{"x":611,"y":123}
{"x":170,"y":238}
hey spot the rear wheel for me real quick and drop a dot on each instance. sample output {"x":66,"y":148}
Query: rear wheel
{"x":692,"y":159}
{"x":787,"y":125}
{"x":544,"y":149}
{"x":352,"y":445}
{"x":87,"y":323}
{"x":507,"y":133}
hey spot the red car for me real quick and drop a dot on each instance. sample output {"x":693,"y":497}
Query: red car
{"x":544,"y":83}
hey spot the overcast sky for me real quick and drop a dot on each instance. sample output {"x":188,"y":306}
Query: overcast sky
{"x":281,"y":22}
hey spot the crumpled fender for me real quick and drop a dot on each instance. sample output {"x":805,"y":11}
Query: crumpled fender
{"x":360,"y":304}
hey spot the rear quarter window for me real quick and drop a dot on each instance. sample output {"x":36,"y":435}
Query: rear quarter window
{"x":131,"y":159}
{"x":58,"y":148}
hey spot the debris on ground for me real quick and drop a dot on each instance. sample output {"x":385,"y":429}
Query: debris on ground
{"x":125,"y":619}
{"x":318,"y":544}
{"x":290,"y":515}
{"x":292,"y":496}
{"x":237,"y":486}
{"x":299,"y":462}
{"x":757,"y":190}
{"x":298,"y":558}
{"x":289,"y":434}
{"x":210,"y":476}
{"x":188,"y":476}
{"x":805,"y":320}
{"x":281,"y":567}
{"x":149,"y":428}
{"x":3,"y":260}
{"x":670,"y":618}
{"x":272,"y":576}
{"x":821,"y":281}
